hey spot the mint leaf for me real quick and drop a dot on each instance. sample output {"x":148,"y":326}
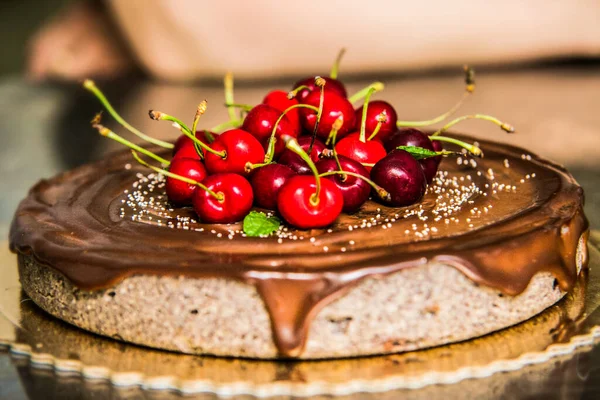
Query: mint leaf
{"x":259,"y":224}
{"x":420,"y":153}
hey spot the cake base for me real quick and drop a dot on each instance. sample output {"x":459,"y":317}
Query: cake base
{"x":416,"y":308}
{"x":531,"y":356}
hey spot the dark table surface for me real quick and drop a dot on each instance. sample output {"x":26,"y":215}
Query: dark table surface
{"x":44,"y":129}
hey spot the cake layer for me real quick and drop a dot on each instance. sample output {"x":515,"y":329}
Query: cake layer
{"x":499,"y":221}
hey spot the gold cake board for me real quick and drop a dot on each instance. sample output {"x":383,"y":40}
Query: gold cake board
{"x":526,"y":355}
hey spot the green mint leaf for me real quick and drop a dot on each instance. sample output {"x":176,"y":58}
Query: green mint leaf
{"x":259,"y":224}
{"x":420,"y":153}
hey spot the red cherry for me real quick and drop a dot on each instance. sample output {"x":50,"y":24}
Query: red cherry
{"x":414,"y":137}
{"x":295,"y":162}
{"x":278,"y":99}
{"x":260,"y":122}
{"x":375,"y":108}
{"x":235,"y":202}
{"x":437,"y":146}
{"x":355,"y":191}
{"x":332,"y":85}
{"x":368,"y":152}
{"x":402,"y":176}
{"x":297,"y":208}
{"x":266,"y":182}
{"x":239,"y":148}
{"x":334,"y":106}
{"x":185,"y":148}
{"x":179,"y":192}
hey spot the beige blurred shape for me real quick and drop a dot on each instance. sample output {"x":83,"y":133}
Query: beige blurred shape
{"x":188,"y":39}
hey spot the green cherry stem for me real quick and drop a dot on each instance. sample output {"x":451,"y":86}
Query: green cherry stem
{"x":471,"y":148}
{"x":292,"y":144}
{"x":292,"y":93}
{"x":336,"y":65}
{"x":218,"y":196}
{"x":271,"y":148}
{"x":161,"y":116}
{"x":200,"y":110}
{"x":333,"y":136}
{"x":227,"y":124}
{"x":469,"y":89}
{"x":228,"y":86}
{"x":363,"y":92}
{"x":104,"y":131}
{"x":89,"y":85}
{"x":363,"y":121}
{"x":320,"y":82}
{"x":503,"y":125}
{"x":381,"y":118}
{"x":381,"y":192}
{"x":245,"y":107}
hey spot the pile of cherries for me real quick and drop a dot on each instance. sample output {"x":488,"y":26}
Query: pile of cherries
{"x":307,"y":154}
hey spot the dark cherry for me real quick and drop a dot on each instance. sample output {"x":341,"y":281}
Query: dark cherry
{"x":266,"y":182}
{"x":355,"y":191}
{"x":179,"y":192}
{"x":402,"y":176}
{"x":240,"y":147}
{"x":437,"y":146}
{"x":332,"y":85}
{"x":368,"y":152}
{"x":235,"y":203}
{"x":278,"y":99}
{"x":260,"y":122}
{"x":294,"y":161}
{"x":334,"y":106}
{"x":414,"y":137}
{"x":375,"y":108}
{"x":295,"y":205}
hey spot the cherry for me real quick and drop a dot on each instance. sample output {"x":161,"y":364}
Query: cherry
{"x":368,"y":152}
{"x":414,"y":137}
{"x":260,"y":122}
{"x":334,"y":106}
{"x":178,"y":191}
{"x":437,"y":146}
{"x":186,"y":149}
{"x":308,"y":201}
{"x":295,"y":162}
{"x":235,"y":148}
{"x":331,"y":85}
{"x":266,"y":182}
{"x":278,"y":99}
{"x":355,"y":191}
{"x":402,"y":176}
{"x":299,"y":206}
{"x":227,"y":198}
{"x":374,"y":109}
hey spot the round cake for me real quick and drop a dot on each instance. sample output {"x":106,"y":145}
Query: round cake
{"x":494,"y":242}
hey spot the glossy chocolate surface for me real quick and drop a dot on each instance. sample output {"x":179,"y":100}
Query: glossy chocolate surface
{"x":500,"y":221}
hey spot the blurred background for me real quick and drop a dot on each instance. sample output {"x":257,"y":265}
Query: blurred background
{"x":537,"y":63}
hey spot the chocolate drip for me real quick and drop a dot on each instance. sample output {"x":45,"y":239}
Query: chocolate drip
{"x":72,"y":223}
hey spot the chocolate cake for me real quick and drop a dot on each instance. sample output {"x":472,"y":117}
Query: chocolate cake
{"x":494,"y":242}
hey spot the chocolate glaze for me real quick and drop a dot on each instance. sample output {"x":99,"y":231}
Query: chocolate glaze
{"x":72,"y":223}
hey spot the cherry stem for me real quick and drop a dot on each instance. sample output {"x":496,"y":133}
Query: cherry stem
{"x":104,"y":131}
{"x":245,"y":107}
{"x":91,"y":86}
{"x":336,"y":65}
{"x":200,"y":110}
{"x":292,"y":144}
{"x":320,"y":82}
{"x":376,"y":130}
{"x":271,"y":148}
{"x":469,"y":88}
{"x":228,"y":85}
{"x":227,"y":124}
{"x":294,"y":92}
{"x":381,"y":192}
{"x":219,"y":196}
{"x":363,"y":92}
{"x":504,"y":126}
{"x":363,"y":121}
{"x":160,"y":116}
{"x":333,"y":136}
{"x":471,"y":148}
